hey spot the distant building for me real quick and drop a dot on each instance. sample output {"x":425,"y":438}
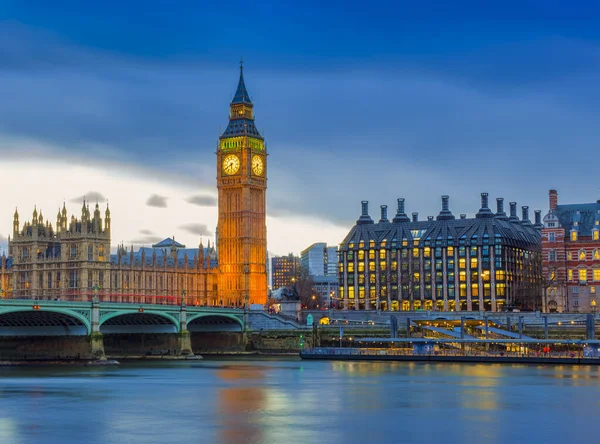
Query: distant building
{"x":326,"y":289}
{"x":321,"y":263}
{"x":284,"y":271}
{"x":571,"y":256}
{"x":486,"y":263}
{"x":319,"y":260}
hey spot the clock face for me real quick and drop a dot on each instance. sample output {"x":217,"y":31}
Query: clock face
{"x":231,"y":164}
{"x":257,"y":165}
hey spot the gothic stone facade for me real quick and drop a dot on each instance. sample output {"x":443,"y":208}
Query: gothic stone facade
{"x":571,"y":256}
{"x":489,"y":262}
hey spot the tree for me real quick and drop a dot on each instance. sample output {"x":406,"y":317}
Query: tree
{"x":304,"y":287}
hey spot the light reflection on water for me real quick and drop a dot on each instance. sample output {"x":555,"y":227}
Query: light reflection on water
{"x":273,"y":401}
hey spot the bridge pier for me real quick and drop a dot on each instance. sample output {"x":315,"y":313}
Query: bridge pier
{"x":184,"y":338}
{"x":95,"y":337}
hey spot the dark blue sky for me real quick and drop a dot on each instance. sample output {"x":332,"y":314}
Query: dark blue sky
{"x":358,"y":100}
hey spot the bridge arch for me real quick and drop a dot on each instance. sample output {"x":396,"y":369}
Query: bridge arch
{"x":214,"y":322}
{"x":132,"y":321}
{"x":53,"y":321}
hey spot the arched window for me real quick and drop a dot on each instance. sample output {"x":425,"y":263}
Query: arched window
{"x":581,"y":255}
{"x":597,"y":255}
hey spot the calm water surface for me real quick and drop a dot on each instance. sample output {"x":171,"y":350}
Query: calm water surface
{"x":293,"y":401}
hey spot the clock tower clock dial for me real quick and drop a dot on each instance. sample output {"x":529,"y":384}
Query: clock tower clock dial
{"x":242,"y":186}
{"x":257,"y":165}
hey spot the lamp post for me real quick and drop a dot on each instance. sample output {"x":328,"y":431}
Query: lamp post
{"x":96,"y":288}
{"x":183,"y":293}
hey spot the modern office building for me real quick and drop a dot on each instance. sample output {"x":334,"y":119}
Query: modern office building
{"x":284,"y":271}
{"x":320,"y":260}
{"x":445,"y":263}
{"x":571,"y":256}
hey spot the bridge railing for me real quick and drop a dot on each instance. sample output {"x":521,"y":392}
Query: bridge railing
{"x":118,"y":298}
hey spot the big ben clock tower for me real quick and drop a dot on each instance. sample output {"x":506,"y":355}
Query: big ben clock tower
{"x":242,"y":185}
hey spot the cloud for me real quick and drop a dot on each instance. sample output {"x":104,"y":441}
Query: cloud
{"x":146,"y":232}
{"x":202,"y":200}
{"x":157,"y":201}
{"x":91,"y":196}
{"x":146,"y":240}
{"x":195,"y":228}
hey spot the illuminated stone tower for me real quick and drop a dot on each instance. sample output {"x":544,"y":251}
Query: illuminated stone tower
{"x":242,"y":185}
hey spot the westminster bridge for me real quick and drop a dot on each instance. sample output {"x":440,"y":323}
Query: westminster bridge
{"x":32,"y":328}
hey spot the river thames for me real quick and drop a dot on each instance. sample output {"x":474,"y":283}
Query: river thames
{"x":293,"y":401}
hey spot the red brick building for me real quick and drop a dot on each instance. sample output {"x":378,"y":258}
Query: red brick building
{"x":571,"y":256}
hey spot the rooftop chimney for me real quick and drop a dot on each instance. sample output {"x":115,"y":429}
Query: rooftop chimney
{"x":364,"y":217}
{"x":415,"y":216}
{"x":463,"y":216}
{"x":484,"y":211}
{"x":384,"y":218}
{"x":525,"y":218}
{"x":513,"y":213}
{"x":429,"y":218}
{"x":500,"y":214}
{"x":553,"y":199}
{"x":538,"y":220}
{"x":401,"y":215}
{"x":445,"y":214}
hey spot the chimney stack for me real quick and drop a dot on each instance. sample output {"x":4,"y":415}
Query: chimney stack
{"x":415,"y":217}
{"x":429,"y":218}
{"x":553,"y":198}
{"x":538,"y":220}
{"x":384,"y":218}
{"x":400,"y":214}
{"x":445,"y":214}
{"x":525,"y":216}
{"x":500,"y":214}
{"x":513,"y":212}
{"x":484,"y":211}
{"x":463,"y":216}
{"x":364,"y":217}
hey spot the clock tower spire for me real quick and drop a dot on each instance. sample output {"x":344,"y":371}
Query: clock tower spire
{"x":242,"y":186}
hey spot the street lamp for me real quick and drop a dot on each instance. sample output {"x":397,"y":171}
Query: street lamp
{"x":96,"y":288}
{"x":183,"y":293}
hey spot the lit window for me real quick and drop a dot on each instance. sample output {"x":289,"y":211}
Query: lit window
{"x":463,"y":276}
{"x":371,"y":266}
{"x":350,"y":267}
{"x":570,"y":274}
{"x":415,"y":252}
{"x":475,"y":290}
{"x":596,"y":235}
{"x":427,"y":252}
{"x":582,"y":275}
{"x":361,"y":267}
{"x":597,"y":275}
{"x":382,"y":265}
{"x":593,"y":290}
{"x":361,"y":255}
{"x":473,"y":262}
{"x":381,"y":254}
{"x":462,"y":263}
{"x":582,"y":255}
{"x":500,"y":275}
{"x":450,"y":251}
{"x":573,"y":235}
{"x":371,"y":244}
{"x":570,"y":256}
{"x":361,"y":292}
{"x":597,"y":255}
{"x":371,"y":254}
{"x":350,"y":292}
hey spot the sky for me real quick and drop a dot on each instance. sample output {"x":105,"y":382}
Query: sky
{"x":124,"y":102}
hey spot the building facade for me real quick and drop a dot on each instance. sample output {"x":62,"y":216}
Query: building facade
{"x":319,"y":260}
{"x":73,"y":259}
{"x":488,"y":262}
{"x":285,"y":270}
{"x":242,"y":185}
{"x":571,"y":256}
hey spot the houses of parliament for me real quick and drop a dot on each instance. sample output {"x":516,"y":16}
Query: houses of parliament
{"x":73,"y":258}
